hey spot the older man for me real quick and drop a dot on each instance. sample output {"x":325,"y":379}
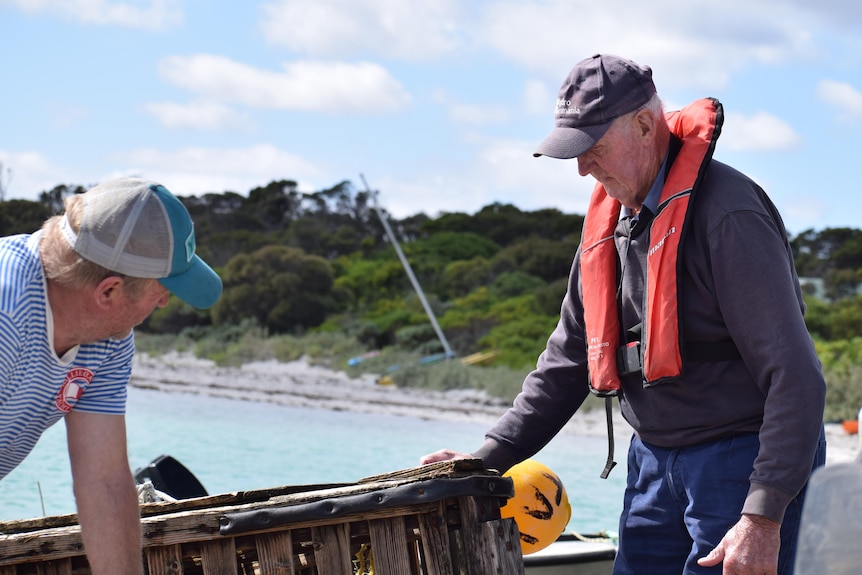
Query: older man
{"x":683,"y":302}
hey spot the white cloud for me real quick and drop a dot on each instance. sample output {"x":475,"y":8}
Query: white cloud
{"x":472,"y":114}
{"x":202,"y":115}
{"x":153,"y":15}
{"x":342,"y":28}
{"x":798,"y":211}
{"x":759,"y":132}
{"x":688,"y":44}
{"x":843,"y":96}
{"x":194,"y":171}
{"x":329,"y":87}
{"x":533,"y":182}
{"x":189,"y":171}
{"x":504,"y":171}
{"x":27,"y":174}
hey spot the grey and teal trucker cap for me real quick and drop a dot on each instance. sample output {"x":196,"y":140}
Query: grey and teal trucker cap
{"x":138,"y":228}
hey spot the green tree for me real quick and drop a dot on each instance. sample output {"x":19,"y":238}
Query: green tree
{"x":842,"y":283}
{"x":275,"y":204}
{"x":505,"y":224}
{"x":546,"y":259}
{"x":845,"y":318}
{"x":445,"y":247}
{"x":55,"y":199}
{"x":22,"y":217}
{"x":283,"y":288}
{"x":175,"y":317}
{"x":461,"y":277}
{"x":516,"y":283}
{"x":815,"y":252}
{"x":367,"y":281}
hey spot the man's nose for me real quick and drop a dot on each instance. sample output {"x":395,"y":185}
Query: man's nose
{"x":585,"y":164}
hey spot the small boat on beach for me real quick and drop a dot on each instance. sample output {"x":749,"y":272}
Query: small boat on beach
{"x":573,"y":554}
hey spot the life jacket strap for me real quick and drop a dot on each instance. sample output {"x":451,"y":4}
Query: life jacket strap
{"x":609,"y":412}
{"x":629,"y":357}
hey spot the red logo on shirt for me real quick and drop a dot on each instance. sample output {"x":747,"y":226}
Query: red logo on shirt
{"x":73,"y":386}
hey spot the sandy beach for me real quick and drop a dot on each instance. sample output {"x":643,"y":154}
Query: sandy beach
{"x":300,"y":384}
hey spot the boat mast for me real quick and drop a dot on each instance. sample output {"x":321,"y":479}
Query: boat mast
{"x":385,"y":221}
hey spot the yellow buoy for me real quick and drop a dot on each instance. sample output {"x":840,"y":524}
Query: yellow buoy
{"x":540,"y":506}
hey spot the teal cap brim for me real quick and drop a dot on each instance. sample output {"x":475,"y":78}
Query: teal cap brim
{"x":199,"y":286}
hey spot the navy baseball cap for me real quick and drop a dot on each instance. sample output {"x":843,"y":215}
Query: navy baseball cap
{"x":596,"y":92}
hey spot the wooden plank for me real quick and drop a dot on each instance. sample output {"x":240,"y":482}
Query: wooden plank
{"x":167,"y":560}
{"x":8,"y":570}
{"x":332,"y":549}
{"x":469,"y":510}
{"x":434,"y":534}
{"x":502,"y":547}
{"x":476,"y":513}
{"x":203,"y":525}
{"x":275,"y":553}
{"x":184,"y":527}
{"x":59,"y":567}
{"x":218,"y":557}
{"x":48,"y":545}
{"x":389,"y":546}
{"x":270,"y":496}
{"x":448,"y":468}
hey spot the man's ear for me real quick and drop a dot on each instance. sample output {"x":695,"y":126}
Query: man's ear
{"x":645,"y":125}
{"x":108,"y":290}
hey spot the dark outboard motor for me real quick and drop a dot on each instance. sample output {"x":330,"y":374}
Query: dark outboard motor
{"x":171,"y":477}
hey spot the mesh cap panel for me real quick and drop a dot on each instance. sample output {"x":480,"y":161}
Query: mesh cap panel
{"x":126,"y":230}
{"x":139,"y":229}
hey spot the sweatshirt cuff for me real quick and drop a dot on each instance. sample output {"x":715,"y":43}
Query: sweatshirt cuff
{"x":766,"y":501}
{"x":495,"y":456}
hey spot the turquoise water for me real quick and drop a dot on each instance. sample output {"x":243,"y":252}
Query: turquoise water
{"x":236,"y":445}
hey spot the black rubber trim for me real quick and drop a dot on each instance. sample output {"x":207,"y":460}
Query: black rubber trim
{"x":414,"y":493}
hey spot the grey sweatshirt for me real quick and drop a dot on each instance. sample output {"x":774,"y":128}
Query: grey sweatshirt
{"x":739,"y":284}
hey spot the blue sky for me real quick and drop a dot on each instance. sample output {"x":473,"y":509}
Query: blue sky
{"x":439,"y":103}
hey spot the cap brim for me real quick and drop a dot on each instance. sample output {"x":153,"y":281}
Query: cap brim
{"x":199,"y":286}
{"x":567,"y":143}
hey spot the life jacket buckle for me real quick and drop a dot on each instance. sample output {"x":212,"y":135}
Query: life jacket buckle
{"x":629,"y":358}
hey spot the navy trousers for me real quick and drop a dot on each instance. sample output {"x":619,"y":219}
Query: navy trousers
{"x":680,"y":502}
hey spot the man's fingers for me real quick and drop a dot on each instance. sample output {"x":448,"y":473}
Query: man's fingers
{"x":442,"y":455}
{"x":714,"y":558}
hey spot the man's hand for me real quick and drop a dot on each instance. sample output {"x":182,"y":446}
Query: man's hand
{"x":443,"y":455}
{"x":749,"y":548}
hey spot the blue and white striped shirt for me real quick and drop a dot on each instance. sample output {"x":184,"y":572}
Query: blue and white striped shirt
{"x":37,"y":388}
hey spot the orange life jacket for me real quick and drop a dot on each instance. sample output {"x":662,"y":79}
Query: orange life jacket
{"x":697,"y":126}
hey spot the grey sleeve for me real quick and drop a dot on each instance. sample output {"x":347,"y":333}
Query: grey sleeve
{"x":761,"y":303}
{"x":551,"y":393}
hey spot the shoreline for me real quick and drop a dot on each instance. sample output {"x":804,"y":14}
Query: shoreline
{"x":299,"y":384}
